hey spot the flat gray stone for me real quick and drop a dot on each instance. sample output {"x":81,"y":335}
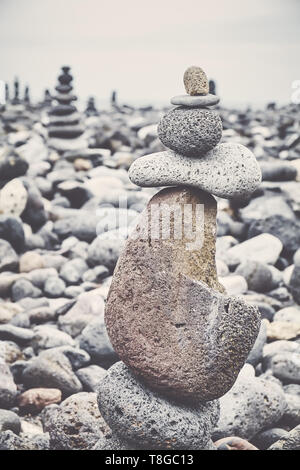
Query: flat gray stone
{"x":195,"y":101}
{"x":145,"y":418}
{"x":229,"y":170}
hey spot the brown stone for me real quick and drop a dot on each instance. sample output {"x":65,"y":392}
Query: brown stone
{"x":35,"y":399}
{"x":234,"y":443}
{"x":166,"y":314}
{"x":195,"y":81}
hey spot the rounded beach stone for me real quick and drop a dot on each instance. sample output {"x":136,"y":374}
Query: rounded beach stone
{"x":229,"y":170}
{"x":195,"y":81}
{"x":190,"y":131}
{"x":133,"y":411}
{"x":165,"y":314}
{"x":195,"y":101}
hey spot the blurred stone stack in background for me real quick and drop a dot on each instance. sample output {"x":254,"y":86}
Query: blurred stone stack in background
{"x":65,"y":124}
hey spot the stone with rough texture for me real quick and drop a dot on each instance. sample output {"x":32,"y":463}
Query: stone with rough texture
{"x":35,"y":399}
{"x":195,"y":81}
{"x":265,"y":439}
{"x":75,"y":424}
{"x":190,"y":131}
{"x":165,"y":314}
{"x":229,"y":170}
{"x":195,"y":101}
{"x":133,"y":411}
{"x":10,"y":441}
{"x":250,"y":406}
{"x":289,"y":442}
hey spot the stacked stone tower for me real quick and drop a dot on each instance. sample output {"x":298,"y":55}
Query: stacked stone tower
{"x":182,"y":341}
{"x":64,"y":120}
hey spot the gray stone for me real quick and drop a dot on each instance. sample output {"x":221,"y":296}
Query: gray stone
{"x":38,"y":277}
{"x":10,"y":441}
{"x":90,"y":377}
{"x":96,"y":274}
{"x":264,"y":439}
{"x":113,"y":442}
{"x":256,"y":353}
{"x":95,"y":341}
{"x":72,"y":271}
{"x":250,"y":406}
{"x":283,"y":359}
{"x":9,"y":260}
{"x":195,"y":101}
{"x":291,"y":417}
{"x":229,"y":170}
{"x":288,"y":314}
{"x":289,"y":442}
{"x":75,"y":424}
{"x":88,"y":307}
{"x":267,"y":206}
{"x":54,"y":287}
{"x":151,"y":420}
{"x":274,"y":170}
{"x":105,"y":250}
{"x":23,"y":288}
{"x":9,"y":421}
{"x":8,"y":388}
{"x":77,"y":357}
{"x":287,"y":230}
{"x":295,"y":282}
{"x":190,"y":131}
{"x":48,"y":336}
{"x":51,"y":369}
{"x":16,"y":334}
{"x":258,"y":275}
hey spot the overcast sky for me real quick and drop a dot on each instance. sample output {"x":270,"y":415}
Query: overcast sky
{"x":141,"y":48}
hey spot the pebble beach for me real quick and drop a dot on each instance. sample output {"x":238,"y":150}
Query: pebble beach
{"x":73,"y":185}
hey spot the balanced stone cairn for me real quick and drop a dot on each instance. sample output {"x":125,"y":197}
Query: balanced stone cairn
{"x":182,"y":341}
{"x":64,"y":120}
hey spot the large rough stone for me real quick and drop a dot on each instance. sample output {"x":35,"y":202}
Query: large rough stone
{"x":190,"y":131}
{"x":251,"y":405}
{"x":76,"y":424}
{"x":143,"y":417}
{"x":165,"y":314}
{"x":229,"y":170}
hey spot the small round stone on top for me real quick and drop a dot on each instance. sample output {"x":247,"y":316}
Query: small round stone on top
{"x":195,"y":81}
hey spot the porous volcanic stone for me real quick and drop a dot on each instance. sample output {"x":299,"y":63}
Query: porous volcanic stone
{"x":195,"y":81}
{"x":190,"y":131}
{"x":75,"y":424}
{"x":229,"y":170}
{"x":133,"y":411}
{"x":165,"y":314}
